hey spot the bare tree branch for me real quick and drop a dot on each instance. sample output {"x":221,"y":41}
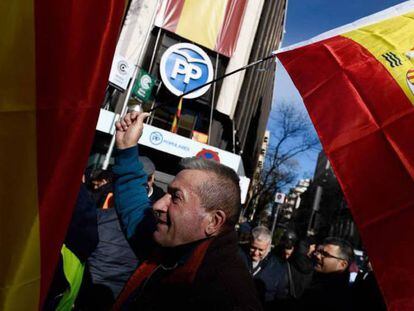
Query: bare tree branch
{"x":292,"y":135}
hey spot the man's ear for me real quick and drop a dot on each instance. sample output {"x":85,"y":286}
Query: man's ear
{"x":217,"y":220}
{"x":343,"y":264}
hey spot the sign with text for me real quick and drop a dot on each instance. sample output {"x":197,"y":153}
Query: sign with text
{"x":183,"y":147}
{"x":179,"y":146}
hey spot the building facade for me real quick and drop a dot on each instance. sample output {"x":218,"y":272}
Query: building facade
{"x":228,"y":121}
{"x":323,"y":210}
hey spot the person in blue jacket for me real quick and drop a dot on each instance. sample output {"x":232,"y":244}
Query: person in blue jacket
{"x":187,"y":239}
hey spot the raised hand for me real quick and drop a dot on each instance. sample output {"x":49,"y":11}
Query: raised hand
{"x":129,"y":129}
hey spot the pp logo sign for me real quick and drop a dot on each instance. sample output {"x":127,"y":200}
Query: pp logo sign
{"x":156,"y":138}
{"x":184,"y":67}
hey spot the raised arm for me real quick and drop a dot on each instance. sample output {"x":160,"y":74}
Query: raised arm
{"x":131,"y":200}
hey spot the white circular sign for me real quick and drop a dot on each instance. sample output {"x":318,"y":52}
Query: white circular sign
{"x":184,"y":67}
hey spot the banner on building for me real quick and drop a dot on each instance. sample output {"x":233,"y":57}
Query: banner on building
{"x":144,"y":83}
{"x":357,"y":85}
{"x":231,"y":86}
{"x":212,"y":24}
{"x":138,"y":21}
{"x":121,"y":72}
{"x":52,"y":84}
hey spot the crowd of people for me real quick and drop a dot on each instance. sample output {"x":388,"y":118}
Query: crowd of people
{"x":301,"y":275}
{"x":130,"y":245}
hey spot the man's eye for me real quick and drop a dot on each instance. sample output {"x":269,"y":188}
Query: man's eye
{"x":175,"y":197}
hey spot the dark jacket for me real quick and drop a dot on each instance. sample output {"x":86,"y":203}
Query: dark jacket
{"x":81,"y":238}
{"x":113,"y":261}
{"x":222,"y":281}
{"x":109,"y":266}
{"x":82,"y":235}
{"x":366,"y":294}
{"x":299,"y":270}
{"x":268,"y":276}
{"x":327,"y":292}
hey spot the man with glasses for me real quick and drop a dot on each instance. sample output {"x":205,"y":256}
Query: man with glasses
{"x":333,"y":256}
{"x":329,"y":289}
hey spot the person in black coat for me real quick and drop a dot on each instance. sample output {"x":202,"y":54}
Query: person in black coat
{"x":81,"y":239}
{"x":267,"y":271}
{"x":366,"y":294}
{"x":299,"y":268}
{"x":329,"y":289}
{"x":113,"y":261}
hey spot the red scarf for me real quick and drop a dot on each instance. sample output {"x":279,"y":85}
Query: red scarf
{"x":182,"y":274}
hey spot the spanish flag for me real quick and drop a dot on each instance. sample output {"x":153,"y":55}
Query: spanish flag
{"x":357,"y":85}
{"x":219,"y":20}
{"x":55,"y":58}
{"x":177,"y":116}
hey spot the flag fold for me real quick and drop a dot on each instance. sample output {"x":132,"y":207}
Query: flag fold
{"x":358,"y":87}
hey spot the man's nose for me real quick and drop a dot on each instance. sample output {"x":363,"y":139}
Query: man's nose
{"x":162,"y":204}
{"x":318,"y":256}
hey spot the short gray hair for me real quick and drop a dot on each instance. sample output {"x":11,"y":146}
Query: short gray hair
{"x":261,"y":233}
{"x":222,"y":191}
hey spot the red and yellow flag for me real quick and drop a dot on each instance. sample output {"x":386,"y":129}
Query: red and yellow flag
{"x":219,"y":20}
{"x":357,"y":86}
{"x":55,"y":58}
{"x":177,"y":116}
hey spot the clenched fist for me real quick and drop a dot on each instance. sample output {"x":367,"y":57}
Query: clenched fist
{"x":129,"y":129}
